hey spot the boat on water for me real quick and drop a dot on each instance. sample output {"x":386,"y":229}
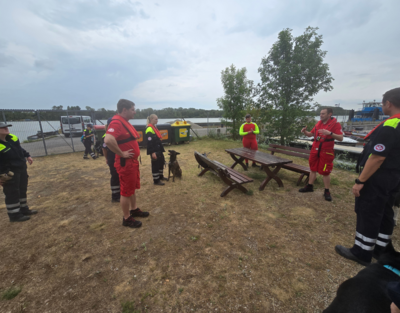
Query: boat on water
{"x":370,"y":112}
{"x":362,"y":121}
{"x":346,"y":141}
{"x":42,"y":135}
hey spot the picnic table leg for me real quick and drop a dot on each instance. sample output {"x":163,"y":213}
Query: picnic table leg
{"x":300,"y":179}
{"x":238,"y":161}
{"x":204,"y":171}
{"x":231,"y":187}
{"x":271,"y":175}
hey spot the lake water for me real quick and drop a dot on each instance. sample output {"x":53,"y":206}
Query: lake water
{"x":29,"y":128}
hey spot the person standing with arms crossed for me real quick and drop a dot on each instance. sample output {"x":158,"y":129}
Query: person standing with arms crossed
{"x":156,"y":150}
{"x":322,"y":154}
{"x":13,"y":158}
{"x":121,"y":138}
{"x":249,"y":131}
{"x":377,"y":186}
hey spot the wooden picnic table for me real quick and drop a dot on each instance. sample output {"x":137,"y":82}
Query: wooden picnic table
{"x":265,"y":159}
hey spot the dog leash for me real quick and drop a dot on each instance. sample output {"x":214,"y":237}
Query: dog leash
{"x":394,"y":270}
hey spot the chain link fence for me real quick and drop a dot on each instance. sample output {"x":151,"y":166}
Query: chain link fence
{"x":47,"y":132}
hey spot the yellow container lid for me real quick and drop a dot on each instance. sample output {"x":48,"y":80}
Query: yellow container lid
{"x":180,"y":123}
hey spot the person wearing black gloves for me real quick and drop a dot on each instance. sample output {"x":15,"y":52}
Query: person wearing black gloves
{"x":155,"y":149}
{"x":87,"y":141}
{"x":13,"y":159}
{"x":377,"y":186}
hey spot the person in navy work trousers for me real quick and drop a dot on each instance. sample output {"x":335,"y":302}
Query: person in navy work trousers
{"x":13,"y":158}
{"x":376,"y":187}
{"x":87,"y":141}
{"x":156,"y":150}
{"x":110,"y":160}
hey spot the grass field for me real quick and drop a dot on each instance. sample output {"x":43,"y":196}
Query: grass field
{"x":269,"y":251}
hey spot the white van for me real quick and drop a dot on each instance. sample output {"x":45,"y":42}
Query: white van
{"x":74,"y":124}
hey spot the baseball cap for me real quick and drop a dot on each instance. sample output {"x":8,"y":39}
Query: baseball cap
{"x":4,"y":125}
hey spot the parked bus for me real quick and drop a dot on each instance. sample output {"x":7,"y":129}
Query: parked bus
{"x":74,"y":124}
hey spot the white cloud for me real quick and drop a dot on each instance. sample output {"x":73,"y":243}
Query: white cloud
{"x":171,"y":53}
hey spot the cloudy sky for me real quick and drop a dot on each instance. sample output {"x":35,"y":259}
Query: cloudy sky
{"x":171,"y":53}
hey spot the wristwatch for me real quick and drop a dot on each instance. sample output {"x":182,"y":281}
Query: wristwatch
{"x":358,"y":182}
{"x":331,"y":133}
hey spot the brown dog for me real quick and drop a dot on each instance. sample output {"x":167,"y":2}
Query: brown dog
{"x":173,"y":165}
{"x":6,"y":176}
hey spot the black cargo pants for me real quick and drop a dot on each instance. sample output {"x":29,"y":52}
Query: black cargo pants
{"x":88,"y":147}
{"x":157,"y":167}
{"x":374,"y":209}
{"x":114,"y":181}
{"x":15,"y":192}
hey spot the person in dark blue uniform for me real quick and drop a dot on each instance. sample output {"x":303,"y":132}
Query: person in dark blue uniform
{"x":13,"y":158}
{"x":88,"y":136}
{"x":156,"y":150}
{"x":110,"y":159}
{"x":377,"y":186}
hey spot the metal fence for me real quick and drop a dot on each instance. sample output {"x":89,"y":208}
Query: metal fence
{"x":41,"y":134}
{"x":40,"y":131}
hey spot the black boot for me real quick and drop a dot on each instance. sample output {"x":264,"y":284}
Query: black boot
{"x":28,"y":212}
{"x":327,"y":195}
{"x":18,"y":217}
{"x":307,"y":188}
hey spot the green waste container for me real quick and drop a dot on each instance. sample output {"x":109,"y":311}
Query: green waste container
{"x":181,"y":131}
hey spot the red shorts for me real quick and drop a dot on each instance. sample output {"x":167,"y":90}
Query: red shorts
{"x":250,"y":144}
{"x":129,"y":176}
{"x":322,"y":164}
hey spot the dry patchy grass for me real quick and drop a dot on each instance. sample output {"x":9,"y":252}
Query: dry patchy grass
{"x":271,"y":251}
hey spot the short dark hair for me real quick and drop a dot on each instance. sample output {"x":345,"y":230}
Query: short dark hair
{"x":248,"y":115}
{"x":393,"y":96}
{"x":328,"y":110}
{"x":124,"y":104}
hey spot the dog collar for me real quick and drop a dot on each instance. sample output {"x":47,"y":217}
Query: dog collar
{"x":394,"y":270}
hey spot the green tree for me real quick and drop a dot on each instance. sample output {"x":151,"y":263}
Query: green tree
{"x":57,"y":107}
{"x":238,"y":93}
{"x":74,"y":108}
{"x":291,"y":75}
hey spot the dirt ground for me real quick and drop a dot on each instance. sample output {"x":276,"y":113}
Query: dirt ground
{"x":271,"y":251}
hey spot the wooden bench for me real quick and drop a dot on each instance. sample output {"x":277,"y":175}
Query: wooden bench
{"x":297,"y":152}
{"x":228,"y":175}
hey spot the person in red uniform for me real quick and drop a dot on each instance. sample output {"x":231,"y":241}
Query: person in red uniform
{"x":249,"y":131}
{"x":322,"y":154}
{"x":121,"y":138}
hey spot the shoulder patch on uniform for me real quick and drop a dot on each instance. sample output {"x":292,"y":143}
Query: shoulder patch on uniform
{"x":379,"y":147}
{"x":111,"y":130}
{"x":392,"y":122}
